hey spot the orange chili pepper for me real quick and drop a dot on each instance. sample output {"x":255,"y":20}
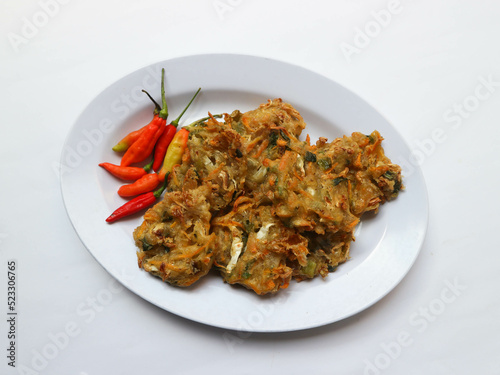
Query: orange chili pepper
{"x":128,"y":140}
{"x":142,"y":148}
{"x":143,"y":185}
{"x":131,"y":137}
{"x":124,"y":173}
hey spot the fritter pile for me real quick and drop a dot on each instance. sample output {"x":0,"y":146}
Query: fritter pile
{"x":261,"y":206}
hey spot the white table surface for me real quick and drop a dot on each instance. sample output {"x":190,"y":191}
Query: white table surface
{"x":431,"y":68}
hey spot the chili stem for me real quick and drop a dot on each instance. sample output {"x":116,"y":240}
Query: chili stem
{"x":157,"y":106}
{"x":157,"y":193}
{"x":148,"y":166}
{"x":176,"y":121}
{"x":164,"y":111}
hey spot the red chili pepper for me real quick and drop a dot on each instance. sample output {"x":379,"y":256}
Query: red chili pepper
{"x":143,"y":147}
{"x":137,"y":204}
{"x":124,"y":173}
{"x":146,"y":183}
{"x":162,"y":146}
{"x":167,"y":136}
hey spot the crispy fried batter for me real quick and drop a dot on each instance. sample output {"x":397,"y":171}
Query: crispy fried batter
{"x":254,"y":248}
{"x":174,"y":240}
{"x":261,"y":205}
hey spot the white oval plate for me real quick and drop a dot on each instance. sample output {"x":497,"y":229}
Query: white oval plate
{"x":386,"y":245}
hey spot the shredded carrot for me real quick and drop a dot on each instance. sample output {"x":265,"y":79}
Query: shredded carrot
{"x":212,"y":117}
{"x":364,"y":142}
{"x":199,"y":250}
{"x":218,"y":265}
{"x":281,"y":142}
{"x":235,"y":224}
{"x":323,"y":215}
{"x":293,"y":185}
{"x":305,"y":194}
{"x":262,"y":147}
{"x":272,"y":179}
{"x":298,"y":176}
{"x":245,"y":122}
{"x":216,"y":170}
{"x":252,"y":144}
{"x":372,"y":147}
{"x":240,"y":200}
{"x":284,"y":160}
{"x":331,"y":168}
{"x":270,"y":284}
{"x":283,"y":129}
{"x":334,"y":176}
{"x":379,"y":170}
{"x":357,"y":163}
{"x":349,"y":189}
{"x":353,"y":224}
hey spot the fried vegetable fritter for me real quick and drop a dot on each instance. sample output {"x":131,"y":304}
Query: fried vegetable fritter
{"x":174,"y":240}
{"x":254,"y":247}
{"x":261,"y":206}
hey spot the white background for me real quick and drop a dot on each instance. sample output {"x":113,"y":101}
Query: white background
{"x":431,"y":68}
